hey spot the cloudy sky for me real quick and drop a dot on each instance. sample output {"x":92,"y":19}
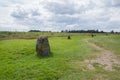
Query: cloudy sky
{"x":57,"y":15}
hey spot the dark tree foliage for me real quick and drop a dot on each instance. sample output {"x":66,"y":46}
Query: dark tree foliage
{"x":38,"y":31}
{"x":112,"y":32}
{"x":34,"y":31}
{"x":83,"y":31}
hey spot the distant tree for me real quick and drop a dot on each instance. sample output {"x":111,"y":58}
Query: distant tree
{"x":83,"y":31}
{"x":102,"y":32}
{"x":34,"y":31}
{"x":66,"y":31}
{"x":112,"y":32}
{"x":62,"y":31}
{"x":97,"y":31}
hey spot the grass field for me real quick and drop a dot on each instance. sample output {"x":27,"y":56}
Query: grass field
{"x":108,"y":42}
{"x":18,"y":60}
{"x":34,"y":35}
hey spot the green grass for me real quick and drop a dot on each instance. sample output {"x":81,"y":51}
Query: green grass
{"x":108,"y":42}
{"x":111,"y":43}
{"x":18,"y":61}
{"x":34,"y":35}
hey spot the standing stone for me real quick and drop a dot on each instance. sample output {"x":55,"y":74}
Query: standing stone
{"x":93,"y":35}
{"x":68,"y":37}
{"x":42,"y":46}
{"x":106,"y":34}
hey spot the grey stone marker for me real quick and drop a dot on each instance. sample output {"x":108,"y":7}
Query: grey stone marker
{"x":42,"y":47}
{"x":68,"y":37}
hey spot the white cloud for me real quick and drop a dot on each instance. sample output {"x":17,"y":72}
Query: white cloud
{"x":58,"y":15}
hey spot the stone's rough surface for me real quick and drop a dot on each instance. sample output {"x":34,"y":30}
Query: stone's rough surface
{"x":42,"y":46}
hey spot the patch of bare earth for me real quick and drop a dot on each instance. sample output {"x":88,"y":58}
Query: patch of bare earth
{"x":106,"y":59}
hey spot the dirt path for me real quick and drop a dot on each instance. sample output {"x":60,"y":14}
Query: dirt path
{"x":106,"y":58}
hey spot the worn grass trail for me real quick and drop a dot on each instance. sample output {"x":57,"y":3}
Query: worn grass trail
{"x":106,"y":58}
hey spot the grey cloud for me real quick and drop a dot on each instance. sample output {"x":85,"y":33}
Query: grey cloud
{"x":112,"y":3}
{"x":116,"y":3}
{"x":65,"y":19}
{"x":27,"y":16}
{"x":19,"y":14}
{"x":89,"y":16}
{"x":61,"y":8}
{"x":35,"y":12}
{"x":68,"y":7}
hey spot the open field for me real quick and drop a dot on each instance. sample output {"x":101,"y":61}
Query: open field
{"x":34,"y":35}
{"x":18,"y":60}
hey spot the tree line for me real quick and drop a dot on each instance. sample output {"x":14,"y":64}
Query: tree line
{"x":87,"y":31}
{"x":37,"y":31}
{"x":78,"y":31}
